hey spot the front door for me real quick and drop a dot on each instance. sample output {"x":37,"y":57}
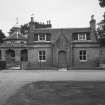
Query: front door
{"x":62,"y":59}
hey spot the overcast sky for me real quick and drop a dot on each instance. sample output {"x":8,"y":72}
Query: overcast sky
{"x":62,"y":13}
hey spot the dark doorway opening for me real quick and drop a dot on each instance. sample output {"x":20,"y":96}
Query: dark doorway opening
{"x":24,"y":55}
{"x":10,"y":55}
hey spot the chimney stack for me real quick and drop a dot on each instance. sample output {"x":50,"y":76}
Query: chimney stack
{"x":92,"y":23}
{"x":32,"y":18}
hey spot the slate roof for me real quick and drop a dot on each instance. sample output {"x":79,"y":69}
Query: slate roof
{"x":67,"y":32}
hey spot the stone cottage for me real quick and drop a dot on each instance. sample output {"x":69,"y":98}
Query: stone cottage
{"x":45,"y":47}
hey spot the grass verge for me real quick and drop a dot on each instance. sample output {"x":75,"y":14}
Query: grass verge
{"x":60,"y":93}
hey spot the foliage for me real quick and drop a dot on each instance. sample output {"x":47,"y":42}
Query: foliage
{"x":2,"y":36}
{"x":103,"y":23}
{"x":2,"y":65}
{"x":23,"y":29}
{"x":102,"y":3}
{"x":101,"y":28}
{"x":11,"y":30}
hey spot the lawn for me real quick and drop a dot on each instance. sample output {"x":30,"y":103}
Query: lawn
{"x":60,"y":93}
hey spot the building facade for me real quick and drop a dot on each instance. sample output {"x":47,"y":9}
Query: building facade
{"x":46,"y":48}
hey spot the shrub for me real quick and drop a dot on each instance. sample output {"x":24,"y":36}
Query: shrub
{"x":2,"y":65}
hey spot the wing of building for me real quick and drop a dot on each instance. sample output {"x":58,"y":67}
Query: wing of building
{"x":46,"y":48}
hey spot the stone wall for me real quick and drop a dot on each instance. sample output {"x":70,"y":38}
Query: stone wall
{"x":33,"y":60}
{"x":92,"y":57}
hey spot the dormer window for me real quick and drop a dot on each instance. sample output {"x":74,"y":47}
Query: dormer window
{"x":82,"y":37}
{"x":42,"y":37}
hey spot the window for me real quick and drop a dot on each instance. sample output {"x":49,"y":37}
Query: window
{"x":42,"y":55}
{"x":88,"y":36}
{"x":75,"y":36}
{"x":42,"y":37}
{"x":48,"y":36}
{"x":81,"y":36}
{"x":82,"y":55}
{"x":36,"y":37}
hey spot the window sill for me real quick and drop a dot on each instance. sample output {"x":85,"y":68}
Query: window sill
{"x":83,"y":60}
{"x":42,"y":41}
{"x":81,"y":40}
{"x":41,"y":61}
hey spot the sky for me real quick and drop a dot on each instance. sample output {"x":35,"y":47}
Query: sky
{"x":62,"y":13}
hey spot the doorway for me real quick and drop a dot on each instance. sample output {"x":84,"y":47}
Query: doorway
{"x":62,"y":59}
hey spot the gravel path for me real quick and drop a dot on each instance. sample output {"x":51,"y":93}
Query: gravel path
{"x":11,"y":81}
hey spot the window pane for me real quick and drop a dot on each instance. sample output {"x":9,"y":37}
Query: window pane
{"x":80,"y":57}
{"x":40,"y":53}
{"x":84,"y":57}
{"x":84,"y":52}
{"x":82,"y":36}
{"x":43,"y":53}
{"x":40,"y":57}
{"x":80,"y":52}
{"x":48,"y":37}
{"x":88,"y":36}
{"x":44,"y":57}
{"x":75,"y":36}
{"x":42,"y":36}
{"x":36,"y":37}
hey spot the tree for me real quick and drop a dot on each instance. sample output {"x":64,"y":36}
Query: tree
{"x":102,"y":3}
{"x":101,"y":27}
{"x":23,"y":29}
{"x":101,"y":31}
{"x":2,"y":36}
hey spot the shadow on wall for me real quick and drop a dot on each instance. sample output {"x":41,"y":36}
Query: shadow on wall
{"x":2,"y":65}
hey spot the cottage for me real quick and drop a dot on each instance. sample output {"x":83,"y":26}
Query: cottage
{"x":45,"y":47}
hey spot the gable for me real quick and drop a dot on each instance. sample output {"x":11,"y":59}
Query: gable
{"x":62,"y":42}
